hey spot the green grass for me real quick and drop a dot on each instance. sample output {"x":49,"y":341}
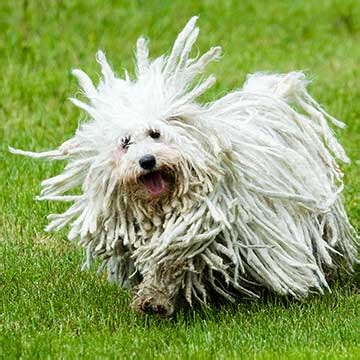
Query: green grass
{"x":52,"y":310}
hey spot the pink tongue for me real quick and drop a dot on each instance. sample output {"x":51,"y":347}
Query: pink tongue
{"x":154,"y":183}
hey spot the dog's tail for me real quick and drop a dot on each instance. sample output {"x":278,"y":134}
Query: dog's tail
{"x":291,"y":88}
{"x":283,"y":86}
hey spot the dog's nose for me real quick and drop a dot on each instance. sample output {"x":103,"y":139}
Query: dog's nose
{"x":147,"y":162}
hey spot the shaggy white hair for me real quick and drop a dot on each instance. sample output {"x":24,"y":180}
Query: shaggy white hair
{"x":250,"y":191}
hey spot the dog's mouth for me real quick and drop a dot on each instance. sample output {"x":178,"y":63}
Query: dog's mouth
{"x":156,"y":182}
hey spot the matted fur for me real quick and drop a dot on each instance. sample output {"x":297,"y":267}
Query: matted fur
{"x":255,"y":195}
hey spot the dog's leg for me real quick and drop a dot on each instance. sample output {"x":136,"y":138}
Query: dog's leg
{"x":159,"y":291}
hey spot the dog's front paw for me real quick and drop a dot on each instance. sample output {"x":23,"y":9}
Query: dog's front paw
{"x":153,"y":301}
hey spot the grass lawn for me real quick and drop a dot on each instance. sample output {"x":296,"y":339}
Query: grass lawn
{"x":52,"y":310}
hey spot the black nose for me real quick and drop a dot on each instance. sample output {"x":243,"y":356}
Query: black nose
{"x":147,"y":162}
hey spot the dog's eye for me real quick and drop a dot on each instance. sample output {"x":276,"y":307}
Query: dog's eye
{"x":125,"y":142}
{"x":154,"y":134}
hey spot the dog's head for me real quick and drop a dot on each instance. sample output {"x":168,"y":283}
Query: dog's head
{"x":148,"y":130}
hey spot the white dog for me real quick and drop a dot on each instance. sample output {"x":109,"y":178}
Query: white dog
{"x":182,"y":199}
